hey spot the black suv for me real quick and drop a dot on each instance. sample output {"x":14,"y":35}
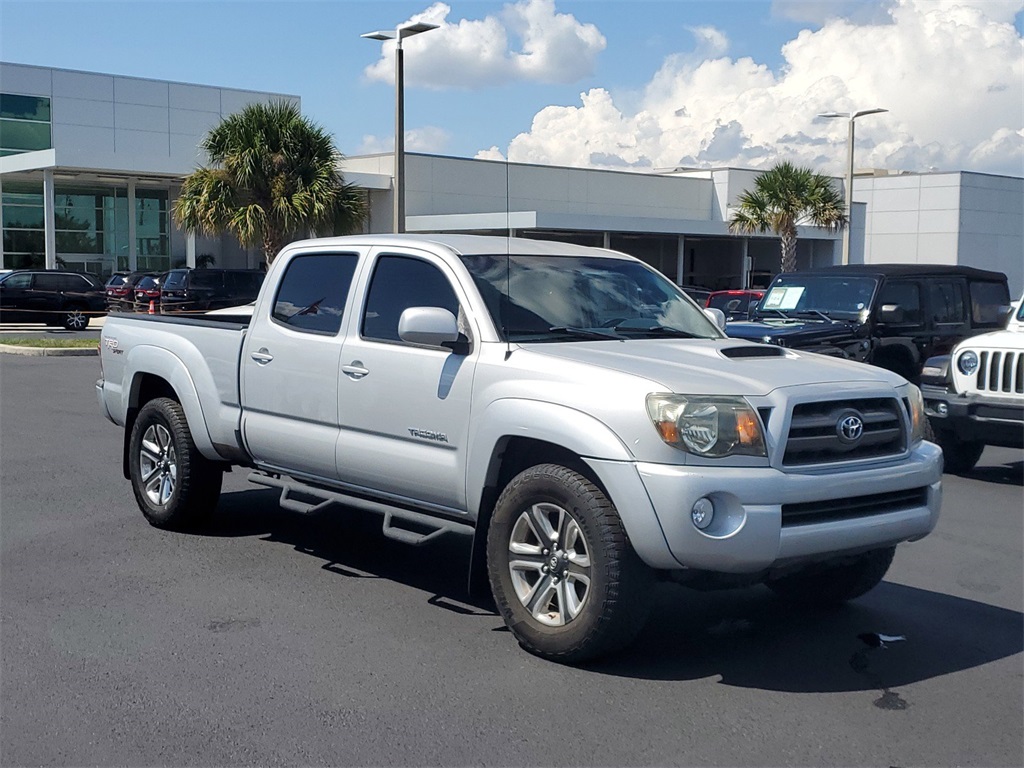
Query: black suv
{"x":53,"y":297}
{"x":200,"y":290}
{"x":894,"y":316}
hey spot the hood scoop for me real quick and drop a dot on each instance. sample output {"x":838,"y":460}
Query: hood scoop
{"x":753,"y":350}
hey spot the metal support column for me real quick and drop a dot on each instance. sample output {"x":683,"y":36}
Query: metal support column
{"x":681,"y":260}
{"x":49,"y":220}
{"x":190,"y":250}
{"x":748,"y":263}
{"x":133,"y":242}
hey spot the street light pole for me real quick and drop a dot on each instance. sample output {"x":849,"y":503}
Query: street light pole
{"x":407,"y":30}
{"x":849,"y":171}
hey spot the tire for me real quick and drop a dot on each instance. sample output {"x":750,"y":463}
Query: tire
{"x":601,"y":597}
{"x":959,"y":456}
{"x":74,"y":319}
{"x":834,"y":584}
{"x":175,"y":485}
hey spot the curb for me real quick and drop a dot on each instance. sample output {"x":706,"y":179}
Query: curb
{"x":12,"y":349}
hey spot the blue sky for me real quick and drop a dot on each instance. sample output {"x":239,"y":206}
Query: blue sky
{"x":639,"y":84}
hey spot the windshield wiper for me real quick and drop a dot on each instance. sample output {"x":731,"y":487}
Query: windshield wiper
{"x":584,"y":333}
{"x":661,"y":330}
{"x":818,"y":312}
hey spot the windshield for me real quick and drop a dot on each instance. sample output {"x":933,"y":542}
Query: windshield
{"x":552,"y":298}
{"x":838,"y":297}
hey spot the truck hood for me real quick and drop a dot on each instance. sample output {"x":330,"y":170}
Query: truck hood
{"x":716,"y":366}
{"x":802,"y":330}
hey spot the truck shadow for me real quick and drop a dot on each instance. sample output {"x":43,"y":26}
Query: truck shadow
{"x":1010,"y":473}
{"x":747,"y":637}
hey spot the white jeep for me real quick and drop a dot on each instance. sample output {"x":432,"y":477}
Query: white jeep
{"x":975,"y":396}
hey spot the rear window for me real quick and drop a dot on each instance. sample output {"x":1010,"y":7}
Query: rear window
{"x":147,"y":283}
{"x":174,"y":279}
{"x":988,"y":302}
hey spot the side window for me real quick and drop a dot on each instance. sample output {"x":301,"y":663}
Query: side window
{"x":907,"y":295}
{"x":400,"y":282}
{"x":313,"y":292}
{"x":946,"y":298}
{"x":988,"y":302}
{"x":50,"y":282}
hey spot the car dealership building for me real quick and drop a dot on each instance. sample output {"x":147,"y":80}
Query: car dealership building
{"x":90,"y":165}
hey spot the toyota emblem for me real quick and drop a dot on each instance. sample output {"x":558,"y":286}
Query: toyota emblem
{"x":850,"y":427}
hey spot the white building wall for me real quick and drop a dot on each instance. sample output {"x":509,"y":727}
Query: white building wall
{"x":447,"y":185}
{"x":992,"y":225}
{"x":910,"y":219}
{"x":127,"y":124}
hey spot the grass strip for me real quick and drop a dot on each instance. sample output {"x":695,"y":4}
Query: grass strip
{"x":52,"y":343}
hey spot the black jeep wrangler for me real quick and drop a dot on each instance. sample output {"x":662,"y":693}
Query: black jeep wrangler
{"x":894,"y":316}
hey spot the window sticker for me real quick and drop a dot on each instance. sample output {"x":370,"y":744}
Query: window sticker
{"x":784,"y":298}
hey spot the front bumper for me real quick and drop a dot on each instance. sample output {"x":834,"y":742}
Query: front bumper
{"x":748,"y":533}
{"x":976,"y":417}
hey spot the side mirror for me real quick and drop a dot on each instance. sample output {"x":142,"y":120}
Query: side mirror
{"x":431,"y":326}
{"x":890,"y":313}
{"x":717,"y":317}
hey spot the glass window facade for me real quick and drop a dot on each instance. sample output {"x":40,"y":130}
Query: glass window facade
{"x":24,"y":238}
{"x":24,"y":123}
{"x":91,"y":228}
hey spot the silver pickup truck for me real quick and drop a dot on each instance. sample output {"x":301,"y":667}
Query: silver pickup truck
{"x":568,"y":408}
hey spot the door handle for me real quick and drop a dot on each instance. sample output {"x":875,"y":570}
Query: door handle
{"x":262,"y":356}
{"x":354,"y":370}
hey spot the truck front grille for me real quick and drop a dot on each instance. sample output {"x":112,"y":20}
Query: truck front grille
{"x":816,"y":434}
{"x":848,"y":509}
{"x":1001,"y":372}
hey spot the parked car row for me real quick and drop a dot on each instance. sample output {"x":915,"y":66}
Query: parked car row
{"x":70,"y":299}
{"x":182,"y":290}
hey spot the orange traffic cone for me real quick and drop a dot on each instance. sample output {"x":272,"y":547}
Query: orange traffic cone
{"x":152,"y":306}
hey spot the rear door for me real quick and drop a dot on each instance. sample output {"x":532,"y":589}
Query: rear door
{"x":948,"y":309}
{"x":406,"y":405}
{"x":290,"y":365}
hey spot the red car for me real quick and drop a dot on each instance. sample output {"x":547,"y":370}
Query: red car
{"x":735,"y":304}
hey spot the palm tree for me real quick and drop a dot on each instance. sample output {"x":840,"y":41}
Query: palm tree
{"x":272,"y":175}
{"x":783,"y":197}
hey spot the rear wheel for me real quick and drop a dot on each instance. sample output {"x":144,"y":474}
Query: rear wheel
{"x":74,"y":319}
{"x":174,"y":484}
{"x":827,"y":584}
{"x":563,"y":572}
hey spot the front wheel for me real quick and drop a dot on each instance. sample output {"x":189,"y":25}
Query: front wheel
{"x":563,"y":573}
{"x":958,"y":456}
{"x":827,"y":584}
{"x":174,"y":484}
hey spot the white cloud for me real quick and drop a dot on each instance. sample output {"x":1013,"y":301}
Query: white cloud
{"x":549,"y":47}
{"x":429,"y":139}
{"x":951,"y":72}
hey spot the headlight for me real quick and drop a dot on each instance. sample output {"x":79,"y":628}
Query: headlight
{"x":707,"y":426}
{"x":967,"y":363}
{"x":917,"y":417}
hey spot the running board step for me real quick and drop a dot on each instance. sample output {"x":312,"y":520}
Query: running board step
{"x":434,"y":527}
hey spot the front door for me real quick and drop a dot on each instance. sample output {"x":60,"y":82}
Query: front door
{"x":290,"y":365}
{"x":405,"y":405}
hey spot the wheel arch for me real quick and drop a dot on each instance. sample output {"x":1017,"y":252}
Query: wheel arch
{"x":899,"y":356}
{"x":158,"y":373}
{"x":521,"y":434}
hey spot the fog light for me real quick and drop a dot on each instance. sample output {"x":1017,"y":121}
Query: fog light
{"x":703,"y":513}
{"x":942,"y":409}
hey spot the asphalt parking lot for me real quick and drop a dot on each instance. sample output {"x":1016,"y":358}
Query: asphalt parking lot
{"x":277,"y":639}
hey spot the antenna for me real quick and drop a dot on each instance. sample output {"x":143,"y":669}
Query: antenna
{"x":508,"y":267}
